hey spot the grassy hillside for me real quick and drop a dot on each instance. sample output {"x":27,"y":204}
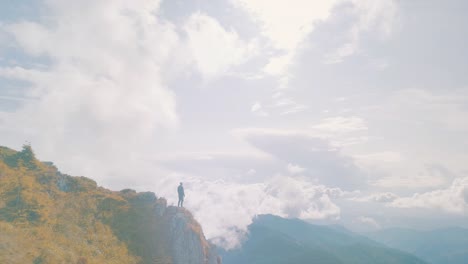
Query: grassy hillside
{"x":50,"y":217}
{"x":274,"y":240}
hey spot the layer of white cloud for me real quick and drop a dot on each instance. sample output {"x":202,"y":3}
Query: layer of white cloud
{"x":226,"y":208}
{"x":452,"y":199}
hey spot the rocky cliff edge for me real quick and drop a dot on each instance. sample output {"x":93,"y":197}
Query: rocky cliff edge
{"x":187,"y":241}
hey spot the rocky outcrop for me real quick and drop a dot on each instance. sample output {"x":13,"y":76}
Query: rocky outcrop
{"x":82,"y":222}
{"x":187,"y":242}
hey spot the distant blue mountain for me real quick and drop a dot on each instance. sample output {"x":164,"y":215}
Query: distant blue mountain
{"x":442,"y":246}
{"x":275,"y":240}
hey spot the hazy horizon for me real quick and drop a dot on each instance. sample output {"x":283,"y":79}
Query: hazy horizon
{"x":350,"y":112}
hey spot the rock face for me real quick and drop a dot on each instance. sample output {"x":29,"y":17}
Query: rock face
{"x":188,"y":244}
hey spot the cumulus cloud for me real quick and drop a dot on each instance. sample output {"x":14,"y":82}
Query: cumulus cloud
{"x":279,"y":65}
{"x":295,"y":169}
{"x":451,"y":199}
{"x":290,"y":36}
{"x":102,"y":89}
{"x":385,"y":197}
{"x":226,"y":207}
{"x":216,"y":50}
{"x":302,"y":199}
{"x":429,"y":176}
{"x":229,"y":190}
{"x":285,"y":25}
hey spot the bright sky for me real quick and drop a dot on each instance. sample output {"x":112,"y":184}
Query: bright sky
{"x":339,"y":112}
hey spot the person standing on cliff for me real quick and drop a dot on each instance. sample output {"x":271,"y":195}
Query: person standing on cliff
{"x":180,"y":191}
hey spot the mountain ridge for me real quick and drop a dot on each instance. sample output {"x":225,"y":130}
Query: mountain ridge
{"x":440,"y":246}
{"x":50,"y":217}
{"x":302,"y":242}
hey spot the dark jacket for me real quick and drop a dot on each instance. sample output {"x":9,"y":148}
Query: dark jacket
{"x":180,"y":190}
